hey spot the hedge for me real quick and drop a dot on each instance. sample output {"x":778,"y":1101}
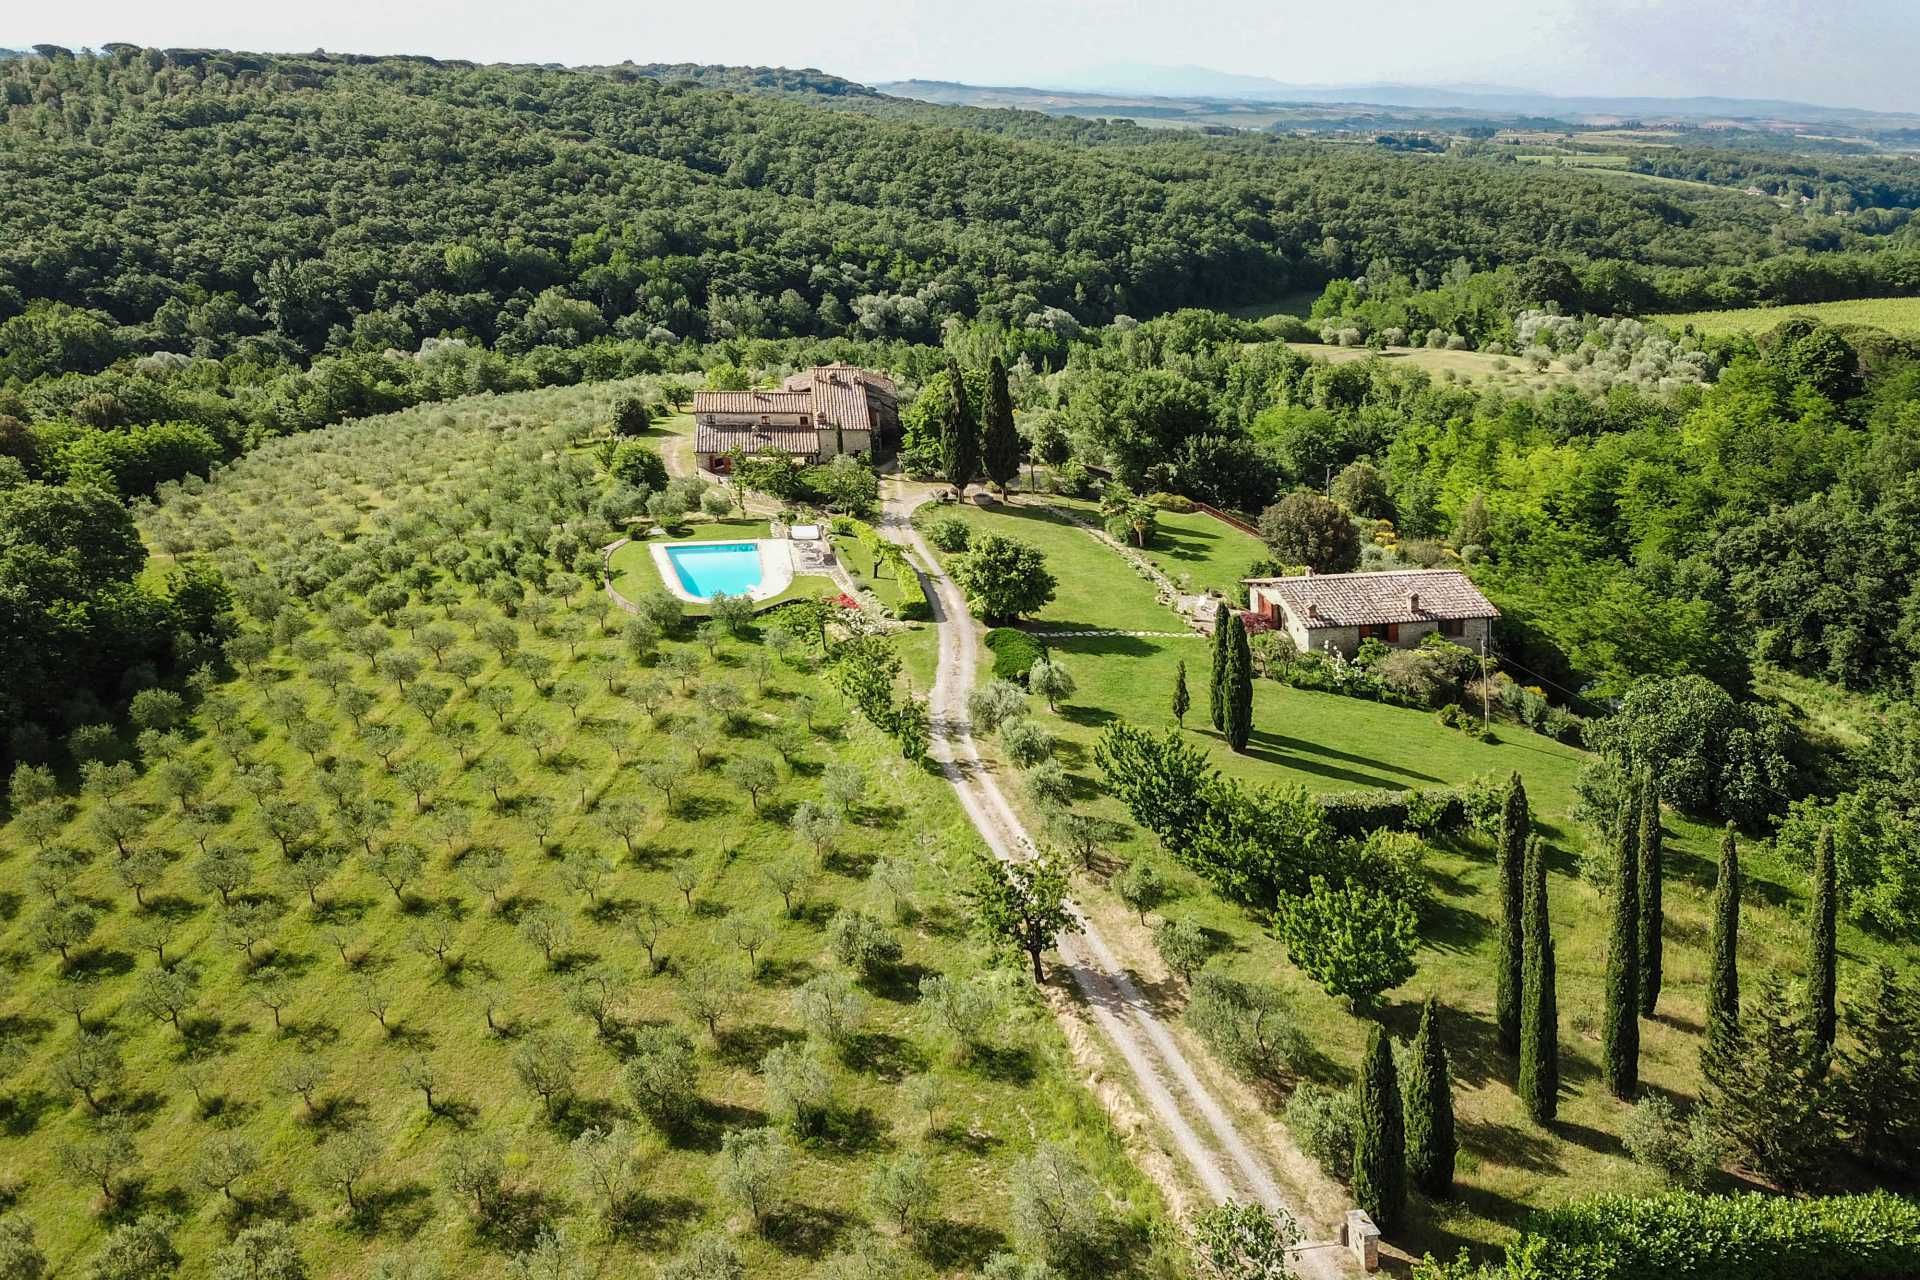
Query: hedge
{"x":1355,"y":814}
{"x":1014,"y":653}
{"x":914,"y":605}
{"x":1680,"y":1234}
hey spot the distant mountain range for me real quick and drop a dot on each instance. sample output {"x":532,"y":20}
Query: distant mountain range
{"x":1190,"y":81}
{"x":1199,"y":95}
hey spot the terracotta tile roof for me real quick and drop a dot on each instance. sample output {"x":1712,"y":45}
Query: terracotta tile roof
{"x":803,"y":441}
{"x":832,"y":395}
{"x":1375,"y":599}
{"x":752,"y":402}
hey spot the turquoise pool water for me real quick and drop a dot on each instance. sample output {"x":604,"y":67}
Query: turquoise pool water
{"x":707,"y":571}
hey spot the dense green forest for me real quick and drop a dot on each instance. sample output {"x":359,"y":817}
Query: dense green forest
{"x":314,"y":202}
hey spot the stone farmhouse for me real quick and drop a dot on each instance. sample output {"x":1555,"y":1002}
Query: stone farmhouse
{"x":815,"y":415}
{"x":1334,"y":612}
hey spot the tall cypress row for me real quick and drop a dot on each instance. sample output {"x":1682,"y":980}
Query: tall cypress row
{"x":959,"y":434}
{"x":1239,"y":686}
{"x":1823,"y":967}
{"x":999,"y":442}
{"x":1217,"y":694}
{"x":1539,"y":1003}
{"x":1652,"y":914}
{"x":1379,"y":1138}
{"x":1722,"y":1045}
{"x":1516,"y":823}
{"x":1431,"y":1145}
{"x":1621,"y":1036}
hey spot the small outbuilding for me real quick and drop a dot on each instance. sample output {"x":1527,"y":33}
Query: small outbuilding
{"x":1334,"y":612}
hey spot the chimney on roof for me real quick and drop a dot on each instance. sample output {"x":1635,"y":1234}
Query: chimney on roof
{"x":1413,"y":601}
{"x":1306,"y":571}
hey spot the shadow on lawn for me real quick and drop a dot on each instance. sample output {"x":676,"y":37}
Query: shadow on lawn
{"x":1297,"y":755}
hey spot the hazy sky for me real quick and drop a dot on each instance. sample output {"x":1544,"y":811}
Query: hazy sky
{"x":1837,"y":52}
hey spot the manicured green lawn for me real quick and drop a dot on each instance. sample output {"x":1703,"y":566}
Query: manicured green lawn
{"x":1202,"y":553}
{"x":567,"y":770}
{"x":1084,"y":571}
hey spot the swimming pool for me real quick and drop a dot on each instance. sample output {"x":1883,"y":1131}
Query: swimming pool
{"x":707,"y":569}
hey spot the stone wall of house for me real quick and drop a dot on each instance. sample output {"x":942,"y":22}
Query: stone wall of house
{"x":835,"y":441}
{"x":1475,"y":632}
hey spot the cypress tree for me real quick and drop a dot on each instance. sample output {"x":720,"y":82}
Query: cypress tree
{"x":1822,"y":920}
{"x":1773,"y":1103}
{"x":1723,"y":974}
{"x":1181,"y":700}
{"x":1429,"y":1109}
{"x":1539,"y":1003}
{"x":1379,"y":1138}
{"x":1516,"y":822}
{"x":1622,"y":1029}
{"x":1239,"y":686}
{"x":999,"y":442}
{"x":1879,"y":1085}
{"x":1217,"y":695}
{"x":1652,"y":914}
{"x":959,"y":434}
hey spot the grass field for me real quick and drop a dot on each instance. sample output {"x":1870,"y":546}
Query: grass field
{"x":1202,"y":553}
{"x":1329,"y":743}
{"x":1896,"y":315}
{"x":587,"y":796}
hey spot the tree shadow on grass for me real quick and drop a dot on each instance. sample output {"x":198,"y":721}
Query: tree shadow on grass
{"x":252,"y":1209}
{"x":337,"y":1113}
{"x":171,"y":907}
{"x":1517,"y":1146}
{"x":1257,"y":750}
{"x":650,"y":1221}
{"x":20,"y":1112}
{"x":805,"y":1231}
{"x":100,"y":962}
{"x":1584,"y":1135}
{"x":710,"y":1122}
{"x":518,"y":1215}
{"x":785,"y":972}
{"x":139,"y":1195}
{"x":1004,"y":1063}
{"x":210,"y":1035}
{"x":1087,"y":717}
{"x":745,"y":1045}
{"x":1446,"y":927}
{"x":951,"y":1246}
{"x":1302,"y":746}
{"x":899,"y":983}
{"x":343,"y":910}
{"x":400,"y":1210}
{"x":848,"y":1131}
{"x":888,"y":1057}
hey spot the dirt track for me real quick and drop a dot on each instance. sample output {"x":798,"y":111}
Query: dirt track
{"x":1201,"y":1130}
